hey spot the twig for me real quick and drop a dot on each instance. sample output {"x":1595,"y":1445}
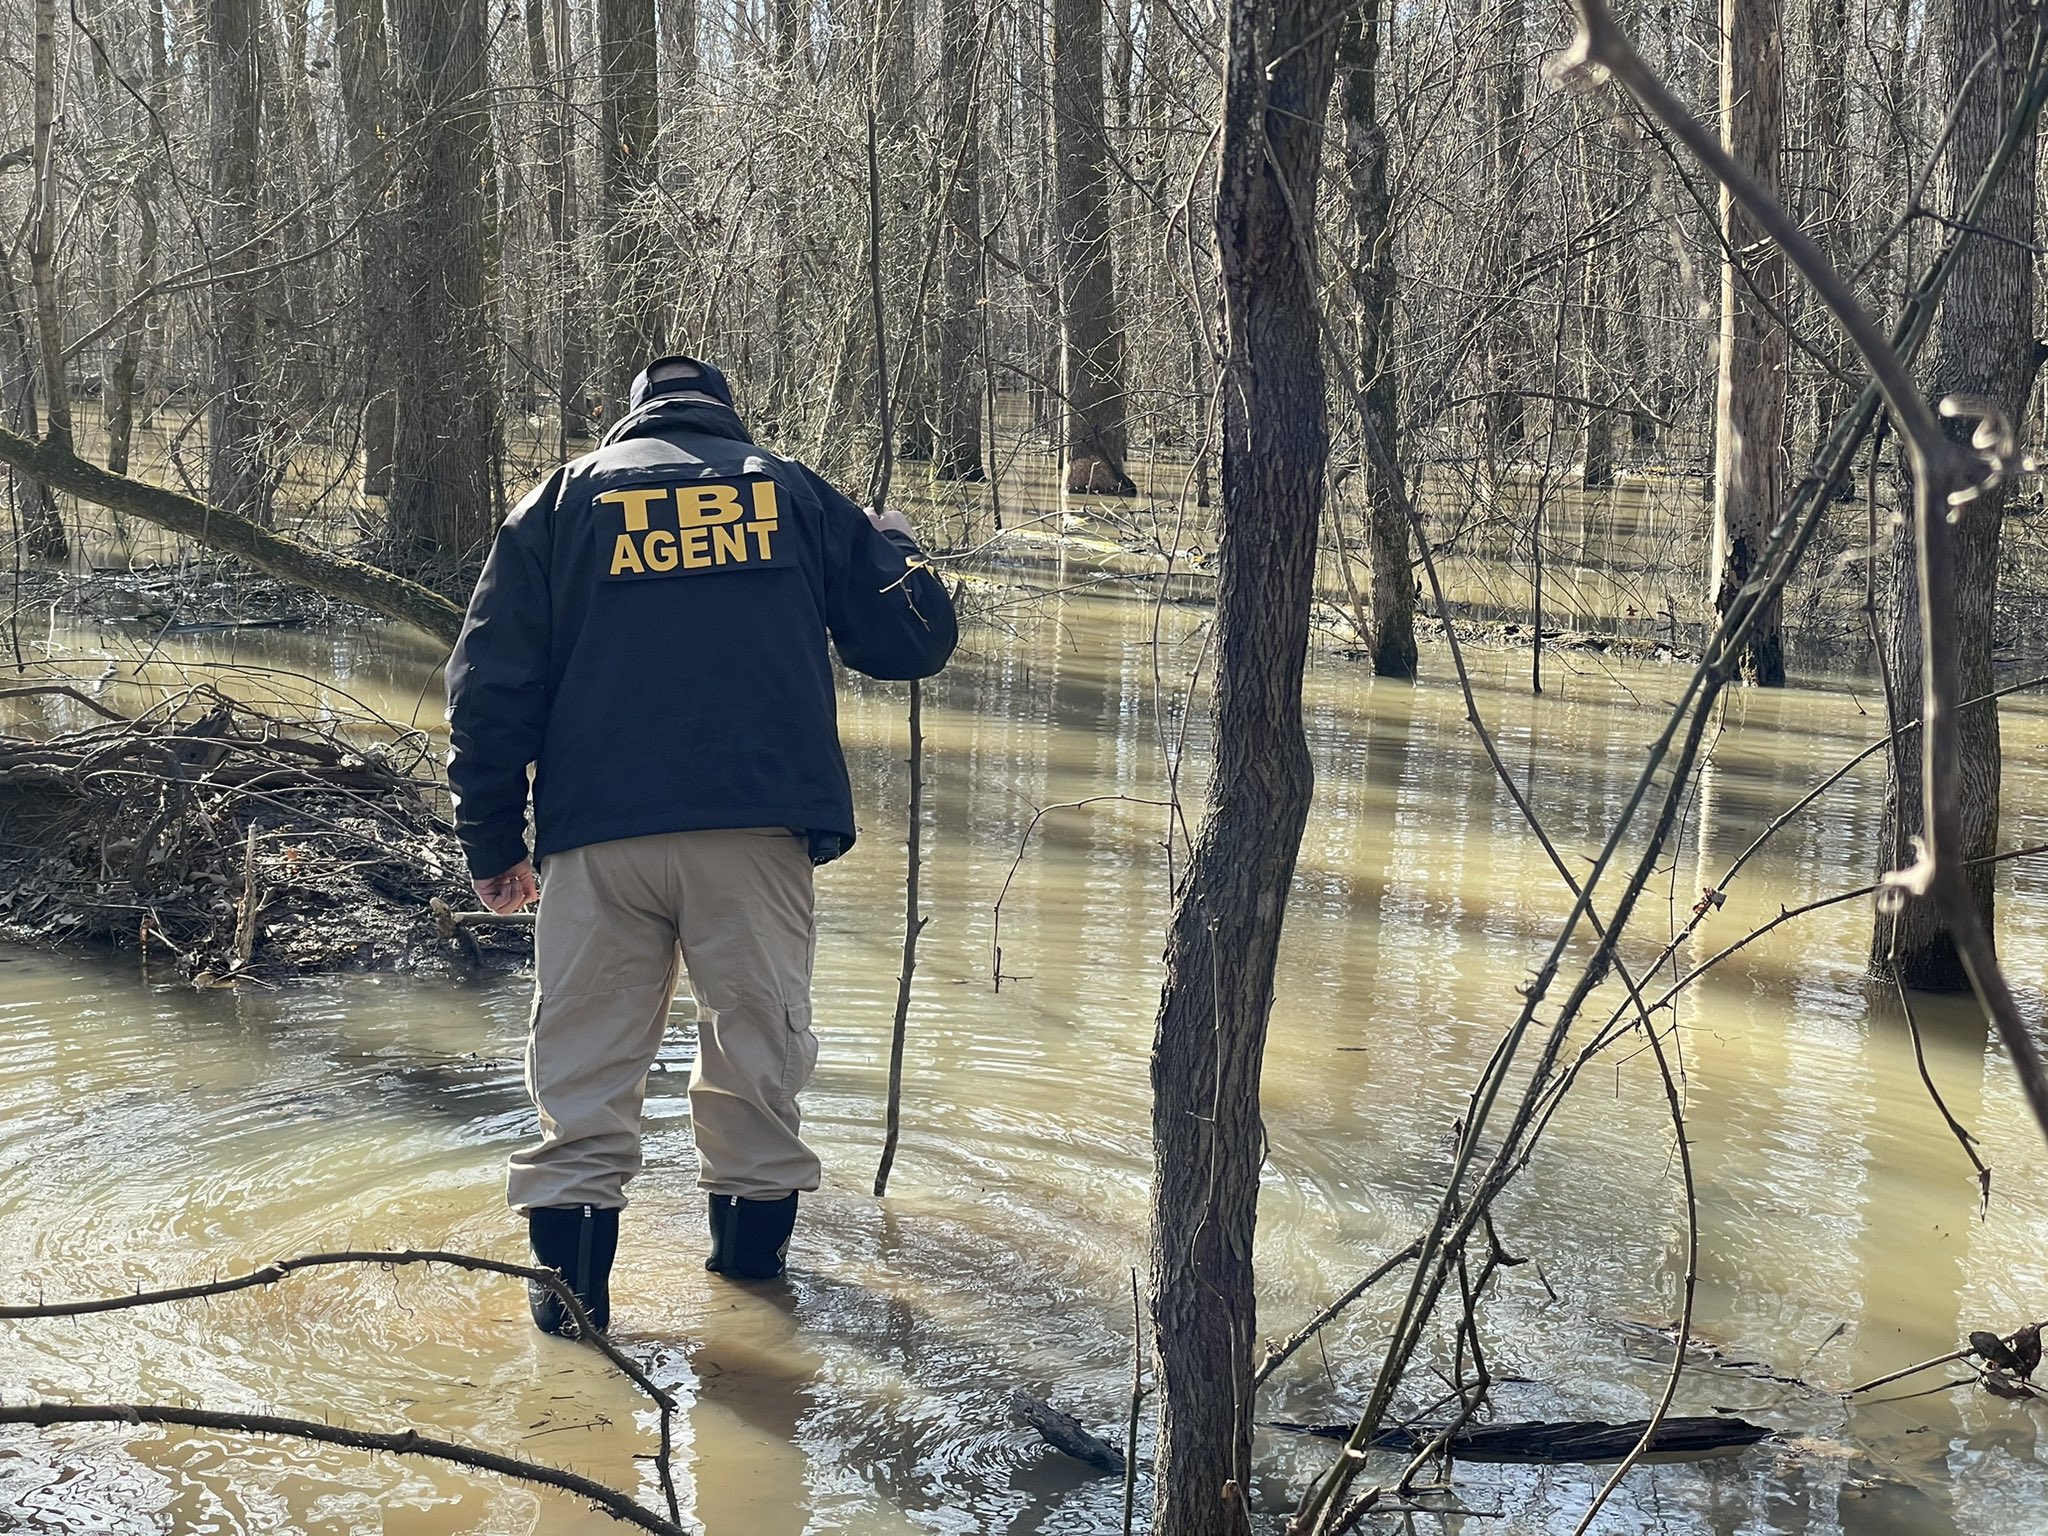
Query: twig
{"x":1277,"y":1354}
{"x":995,"y":941}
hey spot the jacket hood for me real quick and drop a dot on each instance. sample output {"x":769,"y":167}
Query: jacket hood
{"x":667,"y":413}
{"x":709,"y":381}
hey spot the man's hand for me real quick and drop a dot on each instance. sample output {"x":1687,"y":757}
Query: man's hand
{"x":890,"y":521}
{"x":510,"y":891}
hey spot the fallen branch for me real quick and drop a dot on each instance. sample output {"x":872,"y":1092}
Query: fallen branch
{"x":282,"y":1269}
{"x":400,"y":1443}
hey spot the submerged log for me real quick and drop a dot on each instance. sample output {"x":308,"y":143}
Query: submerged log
{"x":1566,"y":1440}
{"x":1065,"y":1433}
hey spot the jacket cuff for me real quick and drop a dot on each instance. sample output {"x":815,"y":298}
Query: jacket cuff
{"x":491,"y":855}
{"x":903,"y":542}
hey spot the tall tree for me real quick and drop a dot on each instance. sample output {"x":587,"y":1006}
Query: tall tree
{"x":1749,"y":419}
{"x":1370,"y":268}
{"x":43,"y":529}
{"x":1508,"y":349}
{"x":1091,"y":330}
{"x":1984,"y":347}
{"x":956,"y":449}
{"x":635,"y":332}
{"x":1209,"y":1045}
{"x":445,"y":485}
{"x":1826,"y":184}
{"x":366,"y":107}
{"x":239,"y":475}
{"x":139,"y":331}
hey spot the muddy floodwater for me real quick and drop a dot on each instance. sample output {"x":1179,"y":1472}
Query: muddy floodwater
{"x":152,"y":1135}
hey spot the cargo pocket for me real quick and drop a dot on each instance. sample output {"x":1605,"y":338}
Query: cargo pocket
{"x":800,"y":1057}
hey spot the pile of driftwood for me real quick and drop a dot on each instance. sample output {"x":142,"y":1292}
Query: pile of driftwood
{"x":231,"y":842}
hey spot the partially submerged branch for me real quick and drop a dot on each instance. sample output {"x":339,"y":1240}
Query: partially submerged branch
{"x":229,"y":533}
{"x":407,"y":1442}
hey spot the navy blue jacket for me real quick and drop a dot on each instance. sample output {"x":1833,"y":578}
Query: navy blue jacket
{"x":650,"y":631}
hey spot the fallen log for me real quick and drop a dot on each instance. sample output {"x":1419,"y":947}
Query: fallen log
{"x":229,"y":533}
{"x":1678,"y":1438}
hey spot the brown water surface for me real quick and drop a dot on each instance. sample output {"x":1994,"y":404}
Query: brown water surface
{"x":151,"y":1135}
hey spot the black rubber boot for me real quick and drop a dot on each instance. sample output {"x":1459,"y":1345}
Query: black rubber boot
{"x":579,"y":1243}
{"x":749,"y":1237}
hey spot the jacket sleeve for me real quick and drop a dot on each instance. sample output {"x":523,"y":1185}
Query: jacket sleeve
{"x":498,"y":688}
{"x":888,"y":611}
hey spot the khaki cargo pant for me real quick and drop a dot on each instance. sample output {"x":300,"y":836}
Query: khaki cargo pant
{"x":735,"y":907}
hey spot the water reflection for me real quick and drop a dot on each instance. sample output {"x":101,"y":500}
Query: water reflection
{"x":151,"y":1135}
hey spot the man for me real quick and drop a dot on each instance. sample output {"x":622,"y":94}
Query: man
{"x":649,"y":635}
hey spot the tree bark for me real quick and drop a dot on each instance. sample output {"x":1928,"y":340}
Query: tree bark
{"x":42,"y":528}
{"x":444,"y":484}
{"x":366,"y":106}
{"x":1749,"y":435}
{"x":1983,"y":346}
{"x":1091,"y":331}
{"x":956,"y":452}
{"x":1208,"y":1139}
{"x":1371,"y":273}
{"x":635,"y":333}
{"x":230,"y":533}
{"x":238,"y":472}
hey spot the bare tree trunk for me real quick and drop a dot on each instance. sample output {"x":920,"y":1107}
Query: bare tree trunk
{"x":42,"y":251}
{"x":1749,"y":436}
{"x":634,"y":330}
{"x":1091,"y":331}
{"x":1983,"y":346}
{"x":37,"y":501}
{"x":444,"y":485}
{"x":573,"y":383}
{"x":679,"y":36}
{"x":956,"y":453}
{"x":238,"y":471}
{"x":43,"y":530}
{"x":1208,"y":1139}
{"x":1371,"y":273}
{"x":1827,"y":205}
{"x":141,"y":330}
{"x":366,"y":103}
{"x":1508,"y":348}
{"x":1599,"y":185}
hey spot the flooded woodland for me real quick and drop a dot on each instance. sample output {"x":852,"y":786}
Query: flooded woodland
{"x":1460,"y":945}
{"x":160,"y":1134}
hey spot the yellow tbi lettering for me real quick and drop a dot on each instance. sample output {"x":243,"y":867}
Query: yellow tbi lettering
{"x":635,"y":502}
{"x":709,"y":531}
{"x":766,"y":513}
